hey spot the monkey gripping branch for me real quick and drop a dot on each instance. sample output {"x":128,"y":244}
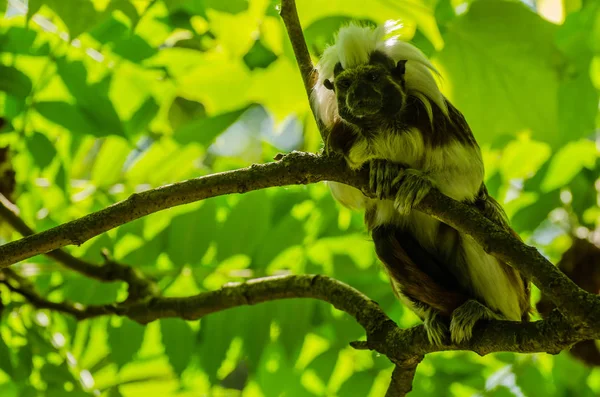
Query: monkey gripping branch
{"x":577,"y":317}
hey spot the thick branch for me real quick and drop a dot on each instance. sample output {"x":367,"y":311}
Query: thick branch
{"x":304,"y":168}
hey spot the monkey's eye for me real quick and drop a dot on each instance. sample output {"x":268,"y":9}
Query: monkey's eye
{"x":343,"y":83}
{"x":374,"y":76}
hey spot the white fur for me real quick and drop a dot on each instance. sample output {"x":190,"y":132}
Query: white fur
{"x":489,"y":281}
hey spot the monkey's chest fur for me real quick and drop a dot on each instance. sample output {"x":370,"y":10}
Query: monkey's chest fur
{"x":432,"y":266}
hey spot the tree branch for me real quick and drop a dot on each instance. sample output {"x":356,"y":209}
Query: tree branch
{"x":303,"y":168}
{"x":111,"y":270}
{"x":289,"y":14}
{"x":402,"y":377}
{"x":22,"y":287}
{"x":403,"y":346}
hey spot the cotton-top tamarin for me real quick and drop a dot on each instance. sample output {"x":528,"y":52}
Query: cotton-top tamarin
{"x":381,"y":107}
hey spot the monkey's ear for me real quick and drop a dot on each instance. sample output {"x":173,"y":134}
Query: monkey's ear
{"x":329,"y":85}
{"x":401,"y":67}
{"x":337,"y":69}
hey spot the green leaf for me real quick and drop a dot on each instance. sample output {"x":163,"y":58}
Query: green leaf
{"x":190,"y":234}
{"x":24,"y":365}
{"x":294,"y":319}
{"x":358,"y":384}
{"x":78,"y":16}
{"x":523,"y":158}
{"x":205,"y":130}
{"x":109,"y":31}
{"x":14,"y":82}
{"x":255,"y":329}
{"x":134,"y":48}
{"x":259,"y":56}
{"x":288,"y":232}
{"x":250,"y":218}
{"x":568,"y":162}
{"x":178,"y":339}
{"x":217,"y":331}
{"x":56,"y":375}
{"x":139,"y":121}
{"x":324,"y":364}
{"x":108,"y":166}
{"x":42,"y":149}
{"x":528,"y":218}
{"x":92,"y":99}
{"x":90,"y":292}
{"x":125,"y":341}
{"x":183,"y":111}
{"x":531,"y":381}
{"x":18,"y":40}
{"x":5,"y":361}
{"x":505,"y":80}
{"x":70,"y":117}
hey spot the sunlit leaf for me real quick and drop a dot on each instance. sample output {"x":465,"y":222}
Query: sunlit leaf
{"x":568,"y":162}
{"x":204,"y":130}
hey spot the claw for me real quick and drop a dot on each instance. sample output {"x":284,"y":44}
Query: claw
{"x":465,"y":317}
{"x":414,"y":187}
{"x":381,"y":175}
{"x":436,"y":328}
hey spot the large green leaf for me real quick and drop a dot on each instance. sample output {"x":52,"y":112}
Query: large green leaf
{"x":191,"y":233}
{"x":205,"y":130}
{"x":42,"y":149}
{"x":14,"y":82}
{"x":6,"y":364}
{"x":71,"y":117}
{"x":78,"y":16}
{"x":125,"y":340}
{"x":568,"y":162}
{"x":501,"y":68}
{"x":178,"y":339}
{"x":245,"y":226}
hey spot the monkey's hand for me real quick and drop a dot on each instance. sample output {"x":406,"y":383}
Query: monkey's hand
{"x":382,"y":175}
{"x":413,"y":186}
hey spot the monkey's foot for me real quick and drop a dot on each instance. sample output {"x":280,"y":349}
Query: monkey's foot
{"x":382,"y":175}
{"x":414,"y":186}
{"x":465,"y":317}
{"x":436,"y":328}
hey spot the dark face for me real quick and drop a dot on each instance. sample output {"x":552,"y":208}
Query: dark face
{"x":373,"y":91}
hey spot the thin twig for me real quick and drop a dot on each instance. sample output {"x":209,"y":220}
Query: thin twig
{"x":139,"y":285}
{"x":21,"y":286}
{"x":289,"y":15}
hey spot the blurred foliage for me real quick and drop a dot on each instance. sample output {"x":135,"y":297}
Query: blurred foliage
{"x":103,"y":98}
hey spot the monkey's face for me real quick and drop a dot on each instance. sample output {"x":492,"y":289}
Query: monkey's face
{"x":371,"y":91}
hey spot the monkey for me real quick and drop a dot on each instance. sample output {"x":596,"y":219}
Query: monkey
{"x":380,"y":105}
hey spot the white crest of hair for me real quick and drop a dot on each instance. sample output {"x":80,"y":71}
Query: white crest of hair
{"x":354,"y":45}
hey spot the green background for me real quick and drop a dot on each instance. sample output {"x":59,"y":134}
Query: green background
{"x":103,"y":98}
